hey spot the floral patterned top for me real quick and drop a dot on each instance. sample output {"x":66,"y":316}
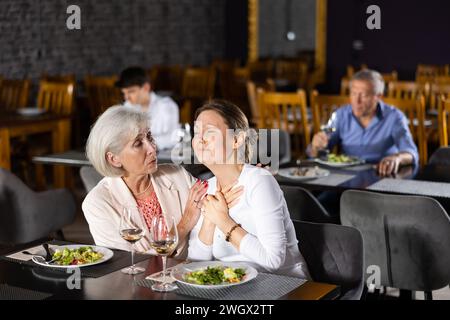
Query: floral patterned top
{"x":149,"y":208}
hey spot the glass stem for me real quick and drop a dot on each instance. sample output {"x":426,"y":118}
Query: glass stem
{"x":132,"y":256}
{"x":164,"y":260}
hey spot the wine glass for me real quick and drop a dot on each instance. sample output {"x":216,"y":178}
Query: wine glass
{"x":132,"y":229}
{"x":164,"y":239}
{"x":328,"y":128}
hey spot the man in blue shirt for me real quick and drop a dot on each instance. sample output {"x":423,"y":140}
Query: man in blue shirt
{"x":369,"y":128}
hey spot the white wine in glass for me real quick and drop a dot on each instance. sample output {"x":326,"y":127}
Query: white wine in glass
{"x":132,"y":229}
{"x":164,"y":239}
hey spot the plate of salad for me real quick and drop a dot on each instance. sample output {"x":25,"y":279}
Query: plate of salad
{"x":76,"y":255}
{"x":214,"y":274}
{"x":339,"y":160}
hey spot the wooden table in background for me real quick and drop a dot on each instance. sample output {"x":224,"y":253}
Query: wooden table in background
{"x":15,"y":125}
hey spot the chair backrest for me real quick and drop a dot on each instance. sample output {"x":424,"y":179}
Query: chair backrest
{"x":14,"y":94}
{"x":59,"y":78}
{"x":435,"y":94}
{"x":322,"y":106}
{"x":428,"y":72}
{"x":101,"y":94}
{"x":414,"y":110}
{"x":303,"y":206}
{"x":286,"y":111}
{"x":252,"y":89}
{"x":198,"y":83}
{"x":441,"y":156}
{"x":166,"y":78}
{"x":90,"y":177}
{"x":261,"y":70}
{"x":56,"y":97}
{"x":407,"y":89}
{"x":334,"y":254}
{"x":406,"y":237}
{"x":26,"y":216}
{"x":444,"y":121}
{"x":294,"y":71}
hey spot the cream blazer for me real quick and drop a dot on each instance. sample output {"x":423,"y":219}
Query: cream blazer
{"x":103,"y":206}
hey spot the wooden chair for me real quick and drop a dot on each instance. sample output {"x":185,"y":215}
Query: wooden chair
{"x":286,"y":111}
{"x":322,"y":106}
{"x":435,"y":94}
{"x":252,"y":92}
{"x":198,"y":86}
{"x":442,"y":80}
{"x":59,"y":78}
{"x":166,"y":78}
{"x":414,"y":110}
{"x":428,"y":73}
{"x":407,"y":89}
{"x":294,"y":71}
{"x":233,"y":87}
{"x":57,"y":98}
{"x":101,"y":94}
{"x":444,"y":120}
{"x":14,"y":94}
{"x":261,"y":70}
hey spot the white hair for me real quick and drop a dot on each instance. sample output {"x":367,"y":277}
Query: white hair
{"x":371,"y":76}
{"x":110,"y":133}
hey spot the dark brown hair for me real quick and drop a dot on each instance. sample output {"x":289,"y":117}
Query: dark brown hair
{"x":233,"y":117}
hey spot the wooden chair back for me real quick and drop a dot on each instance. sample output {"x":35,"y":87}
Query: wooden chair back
{"x":444,"y":120}
{"x":286,"y":111}
{"x":14,"y":94}
{"x":56,"y":97}
{"x":322,"y":106}
{"x":101,"y":94}
{"x":414,"y":110}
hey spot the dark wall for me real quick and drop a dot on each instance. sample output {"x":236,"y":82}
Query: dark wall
{"x":114,"y":34}
{"x":412,"y":32}
{"x":236,"y":30}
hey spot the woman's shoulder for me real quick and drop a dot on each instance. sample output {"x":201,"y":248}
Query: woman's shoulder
{"x":100,"y":194}
{"x":256,"y":177}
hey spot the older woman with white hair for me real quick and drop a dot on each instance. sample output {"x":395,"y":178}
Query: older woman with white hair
{"x":121,"y":148}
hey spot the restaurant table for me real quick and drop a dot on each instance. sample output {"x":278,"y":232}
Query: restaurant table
{"x":358,"y":177}
{"x":16,"y":125}
{"x":120,"y":286}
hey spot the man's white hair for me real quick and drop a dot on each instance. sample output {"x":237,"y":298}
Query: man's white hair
{"x":371,"y":76}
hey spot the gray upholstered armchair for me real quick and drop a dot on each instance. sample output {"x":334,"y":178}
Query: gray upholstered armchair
{"x":26,"y":215}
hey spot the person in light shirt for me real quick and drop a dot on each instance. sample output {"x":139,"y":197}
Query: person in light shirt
{"x":257,"y":229}
{"x":163,"y":111}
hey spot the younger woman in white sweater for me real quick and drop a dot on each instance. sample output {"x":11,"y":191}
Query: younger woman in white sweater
{"x":258,"y":229}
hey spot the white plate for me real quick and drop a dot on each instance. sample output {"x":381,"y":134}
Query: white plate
{"x":30,"y":111}
{"x":179,"y":272}
{"x":107,"y":254}
{"x":340,"y":164}
{"x":287,"y":173}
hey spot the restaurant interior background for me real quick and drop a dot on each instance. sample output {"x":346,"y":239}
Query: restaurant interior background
{"x":328,"y":37}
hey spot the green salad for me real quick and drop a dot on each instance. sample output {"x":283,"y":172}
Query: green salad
{"x":342,"y":158}
{"x":77,"y":256}
{"x":215,"y":275}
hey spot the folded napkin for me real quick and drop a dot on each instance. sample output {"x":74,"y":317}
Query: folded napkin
{"x":158,"y":276}
{"x":38,"y":250}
